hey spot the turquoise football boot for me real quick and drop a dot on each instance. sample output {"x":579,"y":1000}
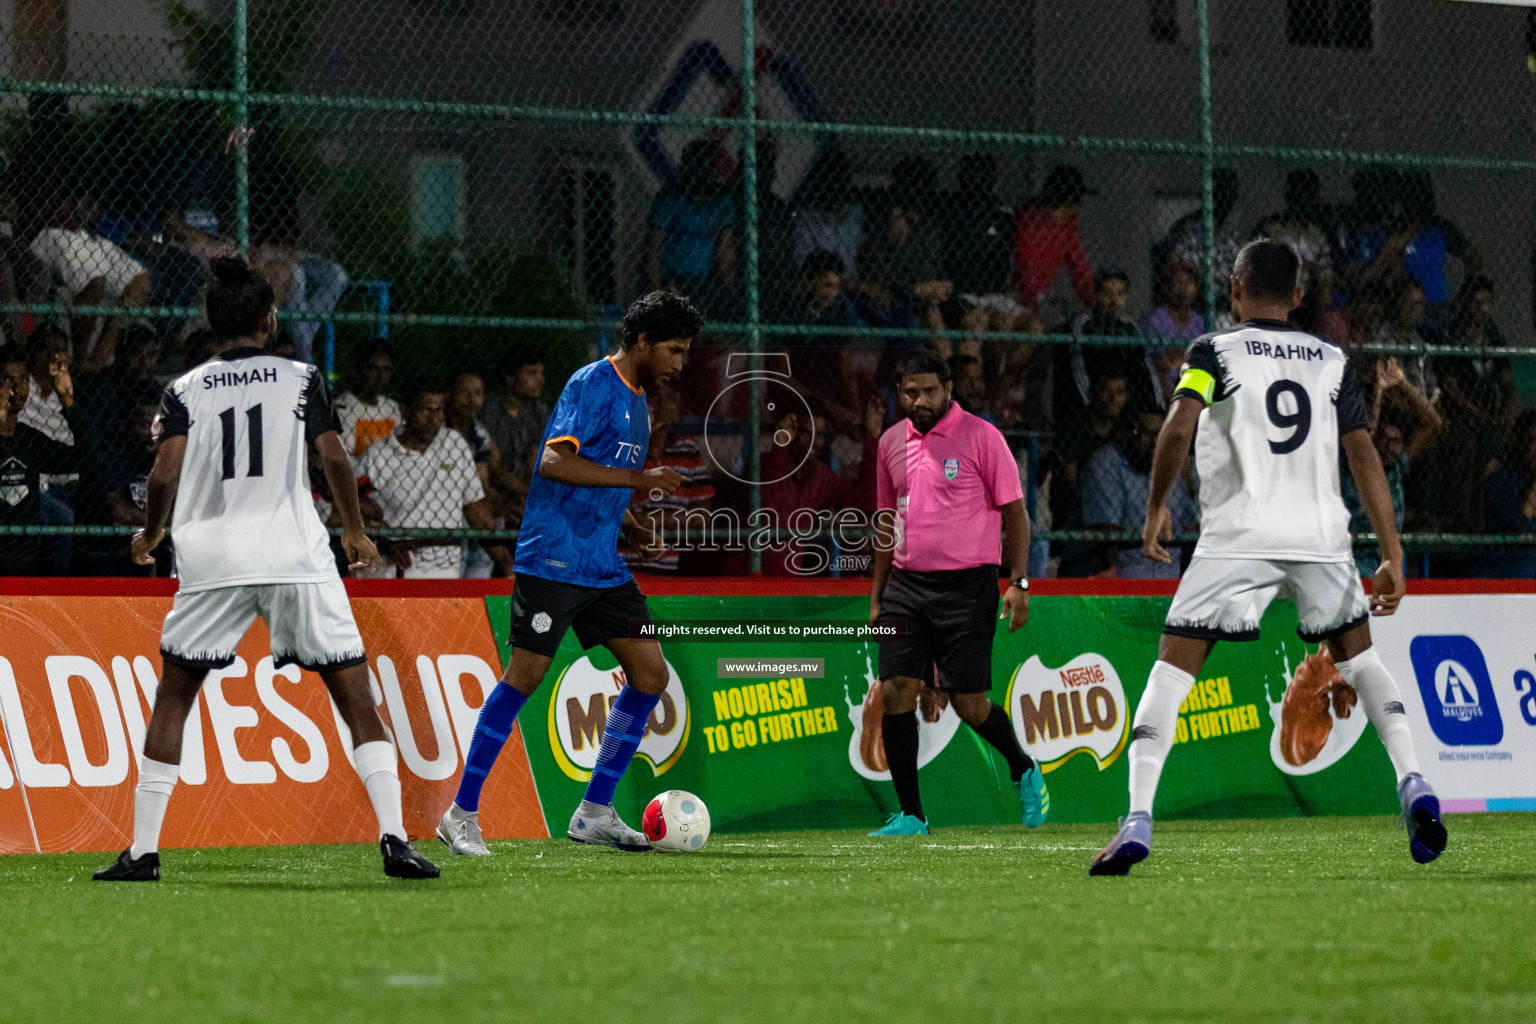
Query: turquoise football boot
{"x":900,"y":824}
{"x":1034,"y":798}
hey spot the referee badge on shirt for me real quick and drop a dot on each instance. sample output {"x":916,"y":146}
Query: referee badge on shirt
{"x":951,"y":467}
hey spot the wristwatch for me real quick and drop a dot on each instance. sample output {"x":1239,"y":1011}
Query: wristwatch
{"x":1022,"y":582}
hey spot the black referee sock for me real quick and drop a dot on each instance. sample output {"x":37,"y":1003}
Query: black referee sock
{"x":998,"y":731}
{"x":899,"y":735}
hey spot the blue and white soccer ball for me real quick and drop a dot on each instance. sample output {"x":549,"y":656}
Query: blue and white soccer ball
{"x":677,"y":822}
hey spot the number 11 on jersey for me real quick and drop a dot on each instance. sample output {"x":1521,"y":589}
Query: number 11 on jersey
{"x":253,"y":431}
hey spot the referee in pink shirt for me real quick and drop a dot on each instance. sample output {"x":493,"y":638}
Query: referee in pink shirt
{"x":953,"y":487}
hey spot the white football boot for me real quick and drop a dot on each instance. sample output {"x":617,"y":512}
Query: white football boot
{"x":461,"y":831}
{"x":602,"y":826}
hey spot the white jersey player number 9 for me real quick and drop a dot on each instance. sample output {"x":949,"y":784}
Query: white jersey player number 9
{"x":1267,"y":451}
{"x":1299,"y":421}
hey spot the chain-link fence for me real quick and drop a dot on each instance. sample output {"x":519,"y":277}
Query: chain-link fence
{"x":454,"y":200}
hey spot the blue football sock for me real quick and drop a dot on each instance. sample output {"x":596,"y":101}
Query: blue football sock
{"x":621,"y":738}
{"x":495,"y":725}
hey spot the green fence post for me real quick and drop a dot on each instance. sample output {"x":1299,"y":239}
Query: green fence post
{"x":749,"y":218}
{"x":1207,"y":166}
{"x":242,"y":132}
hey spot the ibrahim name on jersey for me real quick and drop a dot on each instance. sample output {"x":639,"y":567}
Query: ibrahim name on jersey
{"x":571,"y":534}
{"x":244,"y":514}
{"x":1277,"y":401}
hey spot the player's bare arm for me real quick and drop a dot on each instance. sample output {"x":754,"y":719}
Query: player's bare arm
{"x":163,"y":480}
{"x":361,"y":552}
{"x":646,"y":537}
{"x":1168,"y":459}
{"x":563,"y":464}
{"x":1388,"y":586}
{"x":1016,"y":536}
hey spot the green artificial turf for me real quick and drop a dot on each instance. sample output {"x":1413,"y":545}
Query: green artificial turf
{"x":1322,"y":919}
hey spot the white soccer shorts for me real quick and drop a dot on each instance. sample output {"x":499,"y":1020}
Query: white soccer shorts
{"x":1224,"y":598}
{"x":311,"y":625}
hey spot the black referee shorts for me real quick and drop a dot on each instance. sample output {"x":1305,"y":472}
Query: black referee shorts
{"x":542,"y":610}
{"x":951,"y":617}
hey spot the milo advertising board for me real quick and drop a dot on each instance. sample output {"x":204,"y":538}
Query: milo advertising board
{"x":795,"y":743}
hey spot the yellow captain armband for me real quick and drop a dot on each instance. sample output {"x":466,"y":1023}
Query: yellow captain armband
{"x":1199,"y":382}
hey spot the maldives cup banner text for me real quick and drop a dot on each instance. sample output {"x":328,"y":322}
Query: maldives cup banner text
{"x":265,"y":758}
{"x":781,"y":752}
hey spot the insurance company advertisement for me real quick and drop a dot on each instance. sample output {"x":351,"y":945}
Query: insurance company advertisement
{"x":1467,"y":667}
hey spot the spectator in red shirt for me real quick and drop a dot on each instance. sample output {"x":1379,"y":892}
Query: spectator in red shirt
{"x":1047,"y":238}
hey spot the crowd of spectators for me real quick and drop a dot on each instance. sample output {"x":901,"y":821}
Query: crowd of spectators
{"x":855,"y":276}
{"x":944,"y":269}
{"x":119,"y":224}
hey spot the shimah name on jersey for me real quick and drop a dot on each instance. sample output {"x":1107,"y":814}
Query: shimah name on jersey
{"x":240,"y":378}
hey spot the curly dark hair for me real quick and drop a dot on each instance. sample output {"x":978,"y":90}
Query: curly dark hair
{"x":660,"y":316}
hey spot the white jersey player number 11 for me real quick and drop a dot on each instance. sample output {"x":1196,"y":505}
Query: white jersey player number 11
{"x":243,"y":511}
{"x":253,"y":441}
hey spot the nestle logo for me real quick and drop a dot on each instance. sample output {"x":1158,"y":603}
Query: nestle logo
{"x":1083,"y":675}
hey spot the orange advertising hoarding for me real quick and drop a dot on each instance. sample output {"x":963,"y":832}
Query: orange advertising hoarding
{"x":266,"y":759}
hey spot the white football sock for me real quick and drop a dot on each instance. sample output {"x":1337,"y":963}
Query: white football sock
{"x":1383,"y":704}
{"x":381,"y":778}
{"x":150,"y":798}
{"x":1157,"y":716}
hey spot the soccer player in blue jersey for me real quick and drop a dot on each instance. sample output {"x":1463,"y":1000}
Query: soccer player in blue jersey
{"x":570,"y":573}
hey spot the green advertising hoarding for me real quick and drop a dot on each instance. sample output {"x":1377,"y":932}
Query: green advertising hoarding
{"x":792,"y":751}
